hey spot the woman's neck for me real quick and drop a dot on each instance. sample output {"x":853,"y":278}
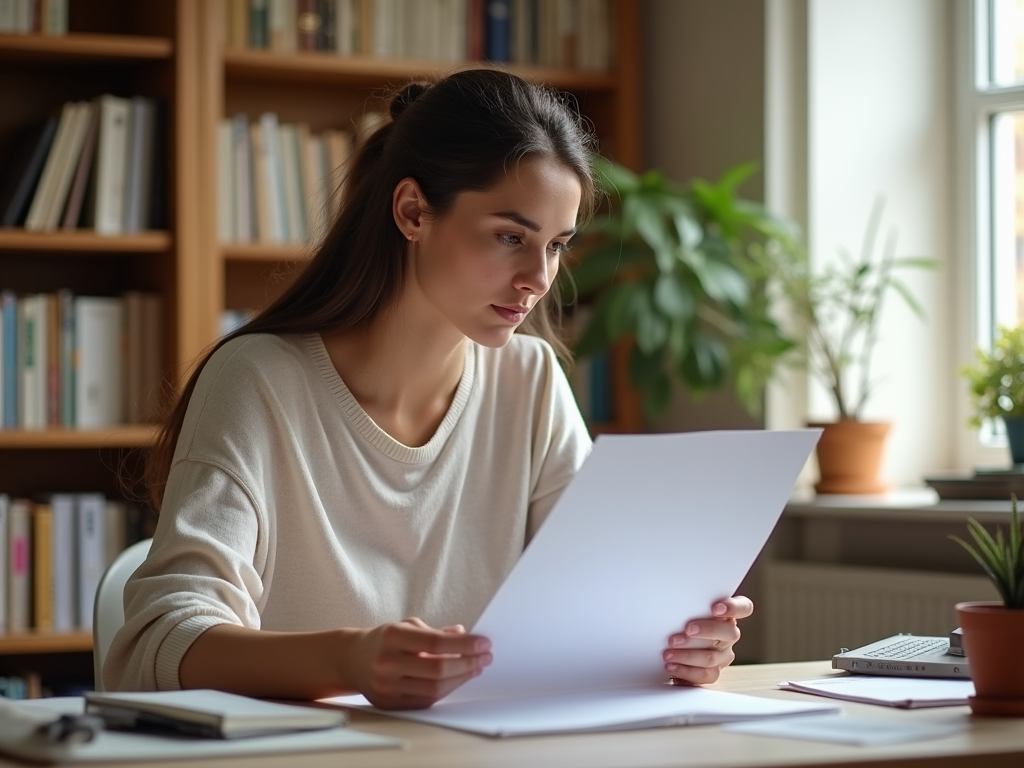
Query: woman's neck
{"x":403,"y":374}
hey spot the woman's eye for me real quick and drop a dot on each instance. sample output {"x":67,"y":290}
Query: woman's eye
{"x":560,"y":248}
{"x":510,"y":239}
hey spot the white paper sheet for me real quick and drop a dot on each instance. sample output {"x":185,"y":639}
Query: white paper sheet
{"x":904,"y":692}
{"x":858,"y":731}
{"x":652,"y":530}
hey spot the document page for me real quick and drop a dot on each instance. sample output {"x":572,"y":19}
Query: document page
{"x":905,"y":692}
{"x":652,"y":530}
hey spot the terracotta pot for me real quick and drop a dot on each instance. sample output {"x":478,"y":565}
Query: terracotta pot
{"x":993,"y":640}
{"x":850,"y":456}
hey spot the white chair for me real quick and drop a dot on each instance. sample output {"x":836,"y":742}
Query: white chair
{"x":108,"y":610}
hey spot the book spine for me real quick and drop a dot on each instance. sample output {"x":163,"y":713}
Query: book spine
{"x":11,"y":407}
{"x":19,"y":596}
{"x":259,"y":31}
{"x":270,"y":153}
{"x":115,"y":522}
{"x":66,"y":302}
{"x":32,"y":346}
{"x":16,"y":210}
{"x":64,"y":565}
{"x":326,"y":39}
{"x":76,"y":196}
{"x":91,"y":554}
{"x":98,"y":397}
{"x":45,"y":189}
{"x":42,"y":567}
{"x":111,"y":164}
{"x":5,"y":506}
{"x":152,"y":356}
{"x":133,"y":357}
{"x":68,"y":163}
{"x":225,"y":182}
{"x":308,"y":24}
{"x":52,"y":360}
{"x":238,"y":24}
{"x":475,"y":26}
{"x":291,"y":174}
{"x":497,"y":35}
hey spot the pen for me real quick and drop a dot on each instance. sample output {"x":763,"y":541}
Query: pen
{"x":70,"y":729}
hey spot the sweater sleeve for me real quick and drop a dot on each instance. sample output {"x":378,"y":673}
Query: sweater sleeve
{"x":561,"y":442}
{"x":204,"y":569}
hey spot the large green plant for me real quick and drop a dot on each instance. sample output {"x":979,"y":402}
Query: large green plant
{"x":667,"y":265}
{"x":997,"y":378}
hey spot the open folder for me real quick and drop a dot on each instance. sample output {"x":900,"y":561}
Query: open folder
{"x":651,"y":531}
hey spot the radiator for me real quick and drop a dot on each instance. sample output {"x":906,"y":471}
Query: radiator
{"x":811,"y":610}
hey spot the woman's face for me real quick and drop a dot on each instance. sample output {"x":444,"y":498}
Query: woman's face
{"x":485,"y":264}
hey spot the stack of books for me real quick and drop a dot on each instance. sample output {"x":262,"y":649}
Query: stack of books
{"x":53,"y":551}
{"x":25,"y":17}
{"x":567,"y":34}
{"x":278,"y":182}
{"x":99,"y":164}
{"x":79,"y":362}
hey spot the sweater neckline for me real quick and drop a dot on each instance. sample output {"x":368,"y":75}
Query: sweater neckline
{"x":361,"y":421}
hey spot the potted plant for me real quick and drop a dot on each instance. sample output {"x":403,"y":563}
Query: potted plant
{"x":839,"y":308}
{"x":993,"y":632}
{"x":997,"y":387}
{"x":666,"y":266}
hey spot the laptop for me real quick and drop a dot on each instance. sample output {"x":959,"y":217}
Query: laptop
{"x":908,"y":656}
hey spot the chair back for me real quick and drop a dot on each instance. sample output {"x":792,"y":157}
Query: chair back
{"x":108,"y":610}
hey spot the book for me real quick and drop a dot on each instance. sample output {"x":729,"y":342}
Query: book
{"x":52,"y":360}
{"x":3,"y":364}
{"x":91,"y":542}
{"x":111,"y":162}
{"x":496,"y":40}
{"x":76,"y":195}
{"x":65,"y":604}
{"x":115,"y":530}
{"x":10,"y":408}
{"x":226,"y":216}
{"x":158,"y":180}
{"x":99,"y":400}
{"x":346,"y":33}
{"x":238,"y":24}
{"x":292,"y":183}
{"x":66,"y":313}
{"x":901,"y":692}
{"x":268,"y":154}
{"x":209,"y":713}
{"x":243,"y":189}
{"x":19,"y":564}
{"x":20,"y":175}
{"x":258,"y":19}
{"x":132,"y":362}
{"x":32,"y":360}
{"x":308,"y":24}
{"x":54,"y":166}
{"x":138,"y":165}
{"x":68,"y":165}
{"x":42,"y":567}
{"x":5,"y":505}
{"x":152,"y":365}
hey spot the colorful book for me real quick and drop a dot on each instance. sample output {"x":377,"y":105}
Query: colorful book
{"x":77,"y":193}
{"x":10,"y":405}
{"x":42,"y":568}
{"x":32,"y":361}
{"x":496,"y":39}
{"x":66,"y":304}
{"x":19,"y":562}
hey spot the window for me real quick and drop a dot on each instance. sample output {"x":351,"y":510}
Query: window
{"x":993,"y":141}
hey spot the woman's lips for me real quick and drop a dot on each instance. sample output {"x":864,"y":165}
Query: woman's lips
{"x":513,"y":314}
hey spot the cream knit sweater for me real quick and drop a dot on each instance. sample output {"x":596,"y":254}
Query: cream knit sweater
{"x":287,"y":508}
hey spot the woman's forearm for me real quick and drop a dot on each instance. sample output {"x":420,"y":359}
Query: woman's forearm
{"x":288,"y":665}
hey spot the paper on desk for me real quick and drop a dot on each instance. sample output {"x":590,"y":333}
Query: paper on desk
{"x":903,"y":692}
{"x":652,"y":530}
{"x":840,"y":729}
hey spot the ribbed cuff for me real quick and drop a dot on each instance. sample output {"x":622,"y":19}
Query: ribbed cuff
{"x":172,"y":649}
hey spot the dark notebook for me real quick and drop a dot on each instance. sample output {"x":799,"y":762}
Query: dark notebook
{"x":21,"y":172}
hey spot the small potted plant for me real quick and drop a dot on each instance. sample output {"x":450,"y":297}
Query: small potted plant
{"x":993,"y":632}
{"x":997,"y":387}
{"x":839,"y":309}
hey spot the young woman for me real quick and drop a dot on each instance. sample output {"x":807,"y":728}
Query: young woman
{"x":346,"y":481}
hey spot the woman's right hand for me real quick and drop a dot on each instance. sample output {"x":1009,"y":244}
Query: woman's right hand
{"x":410,"y":665}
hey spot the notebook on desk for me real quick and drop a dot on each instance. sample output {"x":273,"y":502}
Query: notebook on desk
{"x":907,"y":656}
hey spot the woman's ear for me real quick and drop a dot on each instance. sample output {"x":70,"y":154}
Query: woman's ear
{"x":409,"y":207}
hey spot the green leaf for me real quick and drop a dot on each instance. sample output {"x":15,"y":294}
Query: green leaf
{"x":723,"y":282}
{"x":705,"y":364}
{"x":651,"y":328}
{"x":657,"y":396}
{"x":673,"y":297}
{"x":625,"y":302}
{"x":908,"y":297}
{"x":644,"y":368}
{"x":688,"y":230}
{"x":613,"y":177}
{"x":601,"y":266}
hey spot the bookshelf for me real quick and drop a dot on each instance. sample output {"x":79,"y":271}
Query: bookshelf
{"x":330,"y":91}
{"x":176,"y":50}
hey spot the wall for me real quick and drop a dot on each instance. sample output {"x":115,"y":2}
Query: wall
{"x":704,"y":113}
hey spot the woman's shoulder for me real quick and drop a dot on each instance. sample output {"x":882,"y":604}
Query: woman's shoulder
{"x":526,"y":351}
{"x":258,"y":350}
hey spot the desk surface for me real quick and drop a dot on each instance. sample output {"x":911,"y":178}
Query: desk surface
{"x":988,"y":742}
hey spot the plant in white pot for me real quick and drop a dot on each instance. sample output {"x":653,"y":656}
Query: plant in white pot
{"x":993,"y":632}
{"x":839,"y":308}
{"x":996,"y":383}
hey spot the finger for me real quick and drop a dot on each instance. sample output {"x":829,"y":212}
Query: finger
{"x":415,"y":639}
{"x":431,"y":667}
{"x":694,"y":675}
{"x":455,"y":629}
{"x":707,"y":633}
{"x":733,"y":608}
{"x":706,"y":658}
{"x":433,"y":690}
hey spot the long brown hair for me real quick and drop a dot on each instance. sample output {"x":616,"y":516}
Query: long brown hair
{"x":459,"y":134}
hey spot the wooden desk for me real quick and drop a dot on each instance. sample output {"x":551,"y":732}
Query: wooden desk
{"x":988,"y":742}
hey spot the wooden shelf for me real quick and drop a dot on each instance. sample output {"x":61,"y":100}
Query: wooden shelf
{"x":85,"y":47}
{"x":45,"y":642}
{"x":83,"y":241}
{"x":370,"y":71}
{"x":128,"y":436}
{"x":265,"y":252}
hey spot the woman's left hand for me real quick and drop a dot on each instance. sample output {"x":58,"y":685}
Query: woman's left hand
{"x":699,"y":653}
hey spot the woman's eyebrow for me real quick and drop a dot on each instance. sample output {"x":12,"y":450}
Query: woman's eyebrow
{"x":521,"y":220}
